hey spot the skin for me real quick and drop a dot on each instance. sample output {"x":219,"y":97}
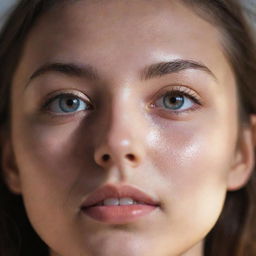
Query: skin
{"x":187,"y":161}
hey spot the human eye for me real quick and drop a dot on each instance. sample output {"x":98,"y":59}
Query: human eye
{"x":66,"y":103}
{"x":177,"y":100}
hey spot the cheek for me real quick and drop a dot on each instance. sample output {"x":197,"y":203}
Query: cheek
{"x":52,"y":162}
{"x":193,"y":162}
{"x":193,"y":149}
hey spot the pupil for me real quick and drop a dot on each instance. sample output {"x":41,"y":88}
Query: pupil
{"x":173,"y":100}
{"x":68,"y":104}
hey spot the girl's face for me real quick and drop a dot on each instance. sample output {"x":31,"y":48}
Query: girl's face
{"x":169,"y":130}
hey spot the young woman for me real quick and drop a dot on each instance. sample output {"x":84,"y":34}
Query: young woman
{"x":127,"y":128}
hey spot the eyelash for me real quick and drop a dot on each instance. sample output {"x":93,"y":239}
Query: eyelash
{"x":46,"y":104}
{"x":176,"y":91}
{"x":180,"y":91}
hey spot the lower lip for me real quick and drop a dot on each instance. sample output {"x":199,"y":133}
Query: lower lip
{"x":119,"y":214}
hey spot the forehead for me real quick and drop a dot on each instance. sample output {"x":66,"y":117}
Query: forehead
{"x":121,"y":36}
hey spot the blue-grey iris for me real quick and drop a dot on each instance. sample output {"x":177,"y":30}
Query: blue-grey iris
{"x":69,"y":103}
{"x":173,"y":101}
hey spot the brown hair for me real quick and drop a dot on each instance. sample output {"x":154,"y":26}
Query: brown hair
{"x":235,"y":231}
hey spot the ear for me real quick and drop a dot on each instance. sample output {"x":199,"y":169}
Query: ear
{"x":9,"y":167}
{"x":244,"y":159}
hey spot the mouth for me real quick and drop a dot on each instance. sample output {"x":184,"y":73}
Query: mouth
{"x":118,"y":205}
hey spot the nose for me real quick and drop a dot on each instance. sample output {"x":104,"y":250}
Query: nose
{"x":120,"y":144}
{"x":119,"y":152}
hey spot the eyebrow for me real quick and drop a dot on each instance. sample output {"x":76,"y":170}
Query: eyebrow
{"x":164,"y":68}
{"x":149,"y":72}
{"x":69,"y":69}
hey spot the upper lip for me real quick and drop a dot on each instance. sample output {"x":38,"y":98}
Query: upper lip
{"x":113,"y":191}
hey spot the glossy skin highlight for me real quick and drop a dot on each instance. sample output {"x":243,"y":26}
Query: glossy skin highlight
{"x":187,"y":161}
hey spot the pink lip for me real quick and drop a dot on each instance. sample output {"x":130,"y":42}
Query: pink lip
{"x":118,"y":214}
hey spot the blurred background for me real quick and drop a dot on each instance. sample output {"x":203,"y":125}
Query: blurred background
{"x":6,"y":5}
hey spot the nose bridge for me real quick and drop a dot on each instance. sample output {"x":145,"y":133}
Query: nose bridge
{"x":123,"y":112}
{"x":121,"y":141}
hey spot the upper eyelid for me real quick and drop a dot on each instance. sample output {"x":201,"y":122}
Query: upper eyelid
{"x":52,"y":96}
{"x":188,"y":92}
{"x":180,"y":87}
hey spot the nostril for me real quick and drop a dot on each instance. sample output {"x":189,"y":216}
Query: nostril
{"x":130,"y":157}
{"x":105,"y":158}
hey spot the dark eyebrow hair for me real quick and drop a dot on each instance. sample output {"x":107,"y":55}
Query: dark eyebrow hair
{"x":149,"y":72}
{"x":163,"y":68}
{"x":70,"y":69}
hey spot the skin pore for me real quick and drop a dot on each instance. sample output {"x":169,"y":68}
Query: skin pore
{"x":186,"y":158}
